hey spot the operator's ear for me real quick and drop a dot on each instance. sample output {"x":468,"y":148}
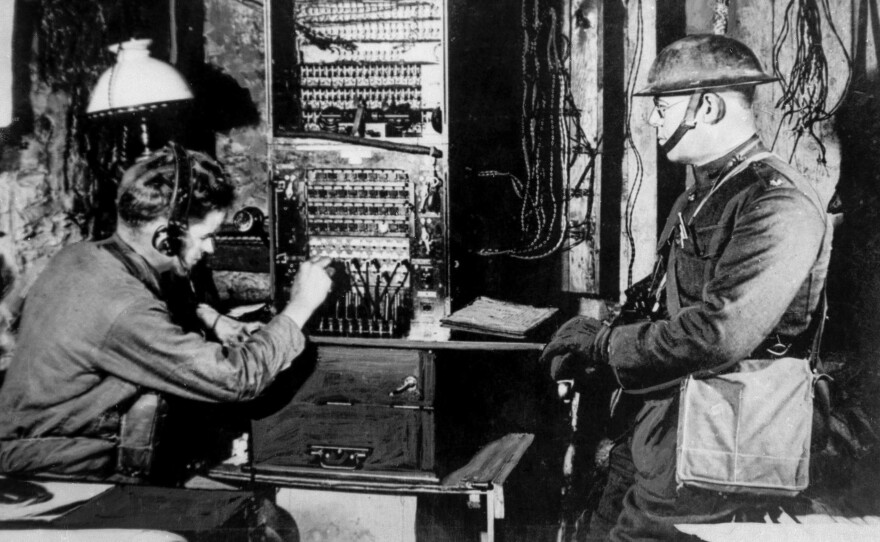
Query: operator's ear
{"x":712,"y":109}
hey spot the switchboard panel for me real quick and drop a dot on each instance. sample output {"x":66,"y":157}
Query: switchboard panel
{"x":381,"y":216}
{"x":366,"y":68}
{"x":359,"y":172}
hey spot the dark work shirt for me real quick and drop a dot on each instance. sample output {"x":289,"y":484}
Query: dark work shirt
{"x":95,"y":330}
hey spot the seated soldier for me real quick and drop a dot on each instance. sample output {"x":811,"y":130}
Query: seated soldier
{"x":97,"y":331}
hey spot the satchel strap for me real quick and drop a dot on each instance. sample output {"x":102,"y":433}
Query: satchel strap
{"x":673,"y":293}
{"x":821,"y":313}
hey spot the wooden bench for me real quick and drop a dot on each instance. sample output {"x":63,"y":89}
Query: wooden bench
{"x":480,"y":480}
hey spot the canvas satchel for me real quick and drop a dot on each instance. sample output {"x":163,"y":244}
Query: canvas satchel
{"x":746,"y":427}
{"x":747,"y":431}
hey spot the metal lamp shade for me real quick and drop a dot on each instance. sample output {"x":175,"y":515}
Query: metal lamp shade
{"x":136,"y":82}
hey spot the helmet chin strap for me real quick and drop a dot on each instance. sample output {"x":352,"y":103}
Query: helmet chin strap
{"x":687,"y":124}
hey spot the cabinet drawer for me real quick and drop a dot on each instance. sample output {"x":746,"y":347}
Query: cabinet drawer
{"x":335,"y":437}
{"x":375,"y":376}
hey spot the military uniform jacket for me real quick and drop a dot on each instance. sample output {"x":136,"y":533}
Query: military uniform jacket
{"x":96,"y":330}
{"x":749,"y":245}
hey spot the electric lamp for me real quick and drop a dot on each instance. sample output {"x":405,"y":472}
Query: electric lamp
{"x":136,"y":85}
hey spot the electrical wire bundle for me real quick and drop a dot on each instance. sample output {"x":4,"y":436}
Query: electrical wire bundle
{"x":543,"y":216}
{"x":582,"y":231}
{"x":805,"y":89}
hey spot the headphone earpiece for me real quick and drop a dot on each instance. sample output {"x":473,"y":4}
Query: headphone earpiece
{"x":168,"y":239}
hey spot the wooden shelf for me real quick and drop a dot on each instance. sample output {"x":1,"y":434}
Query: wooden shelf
{"x":498,"y":346}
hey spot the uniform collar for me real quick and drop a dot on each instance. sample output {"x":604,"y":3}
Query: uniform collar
{"x":708,"y":174}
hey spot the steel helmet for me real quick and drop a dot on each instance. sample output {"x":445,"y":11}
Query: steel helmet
{"x":703,"y":62}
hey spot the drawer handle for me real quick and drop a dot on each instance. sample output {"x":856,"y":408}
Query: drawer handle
{"x":410,"y":384}
{"x":339,"y":457}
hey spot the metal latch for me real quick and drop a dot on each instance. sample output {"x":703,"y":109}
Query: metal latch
{"x":339,"y":457}
{"x":409,"y":387}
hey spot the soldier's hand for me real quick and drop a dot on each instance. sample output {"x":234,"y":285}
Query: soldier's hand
{"x":231,"y":332}
{"x":225,"y":329}
{"x":576,"y":349}
{"x":309,"y":290}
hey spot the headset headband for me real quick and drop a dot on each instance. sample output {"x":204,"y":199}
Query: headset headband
{"x":181,"y":196}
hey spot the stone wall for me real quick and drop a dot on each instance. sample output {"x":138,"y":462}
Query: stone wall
{"x":36,"y":205}
{"x":234,"y":44}
{"x":37,"y":215}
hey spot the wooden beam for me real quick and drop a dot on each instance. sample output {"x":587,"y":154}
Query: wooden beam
{"x":639,"y":175}
{"x":580,"y":268}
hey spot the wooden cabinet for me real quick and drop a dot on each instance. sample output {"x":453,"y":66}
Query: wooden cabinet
{"x":404,"y":417}
{"x":393,"y":410}
{"x":365,"y":410}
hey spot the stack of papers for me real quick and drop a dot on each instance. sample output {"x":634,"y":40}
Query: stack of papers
{"x":493,"y":317}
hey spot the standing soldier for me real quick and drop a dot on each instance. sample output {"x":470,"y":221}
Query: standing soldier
{"x":744,"y":255}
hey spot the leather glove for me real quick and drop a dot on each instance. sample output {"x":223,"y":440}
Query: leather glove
{"x":577,"y":349}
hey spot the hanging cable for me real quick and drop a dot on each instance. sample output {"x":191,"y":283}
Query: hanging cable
{"x":804,"y":99}
{"x":545,"y":132}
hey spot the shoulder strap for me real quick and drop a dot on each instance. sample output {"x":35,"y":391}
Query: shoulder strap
{"x":821,"y":313}
{"x":673,"y":294}
{"x":662,"y":264}
{"x":671,"y":222}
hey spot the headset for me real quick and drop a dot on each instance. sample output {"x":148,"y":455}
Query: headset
{"x":169,"y":239}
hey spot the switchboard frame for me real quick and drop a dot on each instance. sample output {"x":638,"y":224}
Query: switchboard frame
{"x":330,"y":190}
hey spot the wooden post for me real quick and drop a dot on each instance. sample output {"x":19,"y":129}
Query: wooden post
{"x":583,"y":26}
{"x":720,"y":17}
{"x":638,"y":230}
{"x":639,"y":175}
